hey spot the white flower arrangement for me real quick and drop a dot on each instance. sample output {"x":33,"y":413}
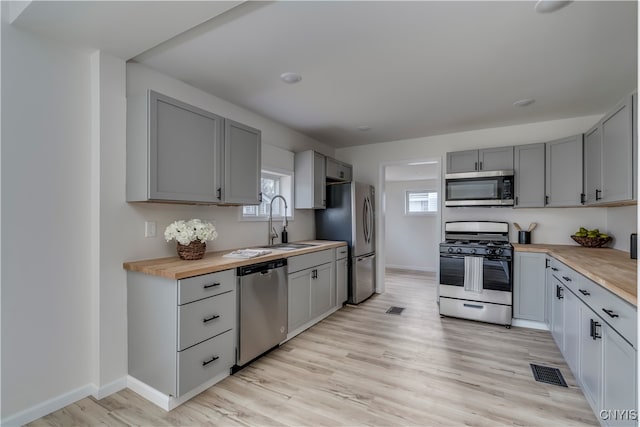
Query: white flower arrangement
{"x":186,"y":232}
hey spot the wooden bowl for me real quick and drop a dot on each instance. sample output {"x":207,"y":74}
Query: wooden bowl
{"x":591,"y":242}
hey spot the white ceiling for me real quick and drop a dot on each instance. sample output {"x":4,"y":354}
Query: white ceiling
{"x":406,"y":69}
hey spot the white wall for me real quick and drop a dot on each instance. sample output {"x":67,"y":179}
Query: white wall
{"x":411,"y":240}
{"x":46,"y":234}
{"x":555,"y":225}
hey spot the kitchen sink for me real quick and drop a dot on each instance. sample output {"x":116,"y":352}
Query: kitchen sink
{"x":291,"y":246}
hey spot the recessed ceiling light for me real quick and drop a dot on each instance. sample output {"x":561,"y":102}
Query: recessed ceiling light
{"x":364,"y":128}
{"x":524,"y":102}
{"x":290,"y":78}
{"x":548,"y":6}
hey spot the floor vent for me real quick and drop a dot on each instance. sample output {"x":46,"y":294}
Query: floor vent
{"x":545,"y":374}
{"x":395,"y":310}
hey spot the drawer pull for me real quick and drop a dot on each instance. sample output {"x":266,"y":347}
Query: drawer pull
{"x":584,"y":292}
{"x":554,"y":269}
{"x":474,"y":306}
{"x":567,"y":279}
{"x":213,"y":285}
{"x":209,"y":319}
{"x":213,"y":359}
{"x":610,"y":313}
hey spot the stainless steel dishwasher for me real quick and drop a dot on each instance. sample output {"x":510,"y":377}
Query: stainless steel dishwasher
{"x":263,"y":308}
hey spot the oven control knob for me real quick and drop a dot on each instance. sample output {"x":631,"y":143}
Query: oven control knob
{"x":459,"y":250}
{"x":450,"y":250}
{"x":500,"y":251}
{"x":473,"y":251}
{"x":491,"y":251}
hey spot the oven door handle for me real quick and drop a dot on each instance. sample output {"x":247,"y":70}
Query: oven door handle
{"x":497,"y":259}
{"x":452,"y":256}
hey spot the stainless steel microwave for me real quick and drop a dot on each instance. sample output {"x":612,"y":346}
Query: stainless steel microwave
{"x":486,"y":188}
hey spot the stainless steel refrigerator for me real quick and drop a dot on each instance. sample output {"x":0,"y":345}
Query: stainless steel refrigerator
{"x":350,"y":216}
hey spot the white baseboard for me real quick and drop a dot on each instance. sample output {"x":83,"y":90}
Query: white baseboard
{"x":112,"y":387}
{"x":169,"y":402}
{"x":410,"y":267}
{"x":49,"y":406}
{"x":522,"y":323}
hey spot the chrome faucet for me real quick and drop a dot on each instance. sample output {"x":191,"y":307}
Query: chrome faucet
{"x":272,"y":231}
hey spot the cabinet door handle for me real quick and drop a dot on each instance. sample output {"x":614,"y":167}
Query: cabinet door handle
{"x":584,"y":292}
{"x":593,"y":331}
{"x":598,"y":194}
{"x":475,"y":166}
{"x":516,"y":200}
{"x":559,"y":292}
{"x":209,"y":319}
{"x":546,"y":263}
{"x":213,"y":359}
{"x":212,"y":285}
{"x":480,"y":165}
{"x":610,"y":313}
{"x":219,"y":193}
{"x":314,"y":274}
{"x":546,"y":200}
{"x":582,"y":198}
{"x":260,"y":197}
{"x":566,"y":279}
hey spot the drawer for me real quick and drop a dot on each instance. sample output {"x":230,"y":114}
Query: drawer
{"x":566,"y":275}
{"x":619,"y":314}
{"x":342,"y":252}
{"x":200,"y":363}
{"x":206,"y":318}
{"x":207,"y":285}
{"x":313,"y":259}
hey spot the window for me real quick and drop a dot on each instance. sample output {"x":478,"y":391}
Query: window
{"x":272,"y":183}
{"x":420,"y":202}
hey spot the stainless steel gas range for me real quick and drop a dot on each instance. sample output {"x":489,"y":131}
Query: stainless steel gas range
{"x":476,"y":280}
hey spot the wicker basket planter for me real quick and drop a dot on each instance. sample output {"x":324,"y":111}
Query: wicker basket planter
{"x":591,"y":242}
{"x":192,"y":251}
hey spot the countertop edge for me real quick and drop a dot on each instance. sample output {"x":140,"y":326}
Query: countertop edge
{"x":556,"y":252}
{"x":174,"y":268}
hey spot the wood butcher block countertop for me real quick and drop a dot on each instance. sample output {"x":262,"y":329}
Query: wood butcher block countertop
{"x":175,"y":268}
{"x":610,"y":268}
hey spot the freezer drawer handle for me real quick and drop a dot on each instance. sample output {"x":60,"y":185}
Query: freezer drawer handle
{"x":213,"y":359}
{"x":474,"y":306}
{"x":209,"y":319}
{"x":211,"y":285}
{"x":610,"y":313}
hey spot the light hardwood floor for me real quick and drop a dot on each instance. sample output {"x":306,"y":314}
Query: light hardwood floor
{"x":362,"y":366}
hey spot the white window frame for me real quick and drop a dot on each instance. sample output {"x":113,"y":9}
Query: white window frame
{"x":407,"y":195}
{"x":286,"y":190}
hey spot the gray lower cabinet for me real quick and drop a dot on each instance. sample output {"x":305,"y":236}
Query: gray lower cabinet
{"x":181,"y":333}
{"x":488,"y":159}
{"x":312,"y":288}
{"x":342,"y":275}
{"x":310,"y":182}
{"x":597,"y":339}
{"x":564,"y":172}
{"x":177,"y":152}
{"x":529,"y":286}
{"x":557,"y":313}
{"x":529,"y":166}
{"x":609,"y":157}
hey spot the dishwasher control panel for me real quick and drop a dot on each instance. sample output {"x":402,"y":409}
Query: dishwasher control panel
{"x":263,"y":266}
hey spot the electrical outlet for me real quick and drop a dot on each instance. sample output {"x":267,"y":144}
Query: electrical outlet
{"x":149,"y":229}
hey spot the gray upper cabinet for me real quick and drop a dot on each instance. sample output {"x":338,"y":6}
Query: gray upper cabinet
{"x":242,"y":164}
{"x":529,"y":166}
{"x":488,"y":159}
{"x":529,"y":286}
{"x":177,"y":152}
{"x":310,"y":173}
{"x":491,"y":159}
{"x":609,"y":165}
{"x":462,"y":161}
{"x":593,"y":165}
{"x":338,"y":171}
{"x":564,"y":172}
{"x":172,"y":150}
